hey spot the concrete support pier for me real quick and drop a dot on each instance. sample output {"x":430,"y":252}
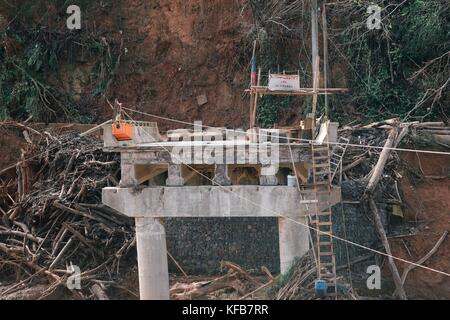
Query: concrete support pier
{"x":152,"y":259}
{"x":294,"y":242}
{"x":143,"y":195}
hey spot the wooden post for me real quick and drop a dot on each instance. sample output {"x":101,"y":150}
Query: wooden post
{"x":316,"y":88}
{"x":252,"y":104}
{"x":315,"y":53}
{"x":314,"y":33}
{"x":255,"y":106}
{"x":325,"y":53}
{"x":252,"y":83}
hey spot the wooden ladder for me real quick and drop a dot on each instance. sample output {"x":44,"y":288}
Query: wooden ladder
{"x":321,"y":215}
{"x":337,"y":156}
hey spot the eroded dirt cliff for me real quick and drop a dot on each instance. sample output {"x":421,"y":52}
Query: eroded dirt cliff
{"x":180,"y":50}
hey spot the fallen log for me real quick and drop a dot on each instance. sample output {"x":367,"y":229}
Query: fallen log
{"x":384,"y":156}
{"x":239,"y":270}
{"x":400,"y":291}
{"x":443,"y":131}
{"x":389,"y":122}
{"x":428,"y":125}
{"x":392,"y":140}
{"x":201,"y":289}
{"x":443,"y":140}
{"x":355,"y":163}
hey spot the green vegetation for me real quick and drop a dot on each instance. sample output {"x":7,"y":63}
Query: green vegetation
{"x":276,"y":25}
{"x":400,"y":70}
{"x":269,"y":107}
{"x":386,"y":80}
{"x":37,"y":43}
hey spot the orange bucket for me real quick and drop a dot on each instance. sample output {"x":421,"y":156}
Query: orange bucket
{"x":122,"y":131}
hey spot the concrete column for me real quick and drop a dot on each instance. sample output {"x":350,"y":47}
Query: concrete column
{"x":175,"y":176}
{"x":152,"y":259}
{"x":269,"y":175}
{"x":294,"y":241}
{"x":128,"y":175}
{"x":221,"y":175}
{"x":333,"y":131}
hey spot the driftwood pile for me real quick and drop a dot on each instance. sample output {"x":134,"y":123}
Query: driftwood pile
{"x":299,"y":283}
{"x":51,"y":218}
{"x":379,"y":170}
{"x":386,"y":161}
{"x":236,"y":283}
{"x":240,"y":284}
{"x":54,"y":219}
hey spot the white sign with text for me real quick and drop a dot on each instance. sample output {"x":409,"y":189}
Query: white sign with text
{"x":283,"y":82}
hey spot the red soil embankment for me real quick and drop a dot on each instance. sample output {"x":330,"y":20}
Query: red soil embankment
{"x":428,"y":200}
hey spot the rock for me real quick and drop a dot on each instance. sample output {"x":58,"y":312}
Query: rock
{"x":202,"y":100}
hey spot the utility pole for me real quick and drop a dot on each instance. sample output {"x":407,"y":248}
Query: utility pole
{"x":315,"y":53}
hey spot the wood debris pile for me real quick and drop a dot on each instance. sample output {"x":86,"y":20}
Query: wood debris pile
{"x":237,"y":283}
{"x":53,"y":218}
{"x":384,"y":175}
{"x":240,"y":284}
{"x":359,"y":162}
{"x":298,"y":284}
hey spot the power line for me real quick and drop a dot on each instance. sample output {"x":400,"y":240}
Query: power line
{"x":258,"y":205}
{"x":291,"y":139}
{"x":295,"y":221}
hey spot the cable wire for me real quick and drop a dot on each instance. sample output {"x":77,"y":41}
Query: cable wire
{"x":298,"y":222}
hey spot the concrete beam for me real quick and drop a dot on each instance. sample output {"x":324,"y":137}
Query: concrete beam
{"x":143,"y":132}
{"x":163,"y":153}
{"x":210,"y":201}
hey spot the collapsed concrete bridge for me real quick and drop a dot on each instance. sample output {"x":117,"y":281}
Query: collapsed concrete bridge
{"x":155,"y":185}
